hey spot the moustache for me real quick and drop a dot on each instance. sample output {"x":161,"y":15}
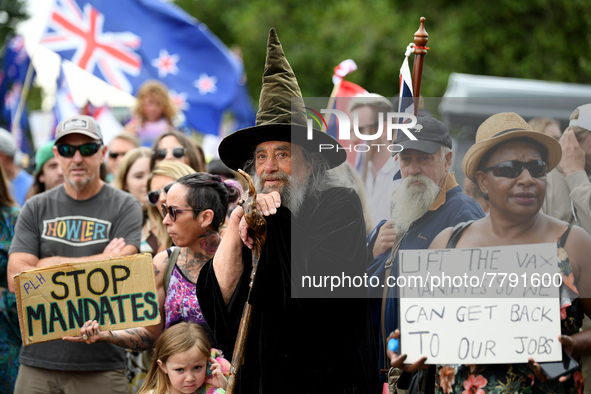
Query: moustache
{"x":420,"y":178}
{"x":280,"y":176}
{"x":77,"y":167}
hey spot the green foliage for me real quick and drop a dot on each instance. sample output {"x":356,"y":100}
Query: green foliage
{"x":537,"y":39}
{"x":11,"y":12}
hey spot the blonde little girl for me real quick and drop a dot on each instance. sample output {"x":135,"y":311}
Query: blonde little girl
{"x":185,"y":363}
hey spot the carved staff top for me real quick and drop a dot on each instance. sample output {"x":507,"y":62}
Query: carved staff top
{"x":421,"y":39}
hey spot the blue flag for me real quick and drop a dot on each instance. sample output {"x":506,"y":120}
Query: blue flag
{"x":127,"y":42}
{"x":15,"y":63}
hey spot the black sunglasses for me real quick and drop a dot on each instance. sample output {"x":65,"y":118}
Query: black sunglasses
{"x":514,"y":168}
{"x":85,"y":149}
{"x":154,"y":195}
{"x":172,"y":211}
{"x":114,"y":155}
{"x":177,"y":152}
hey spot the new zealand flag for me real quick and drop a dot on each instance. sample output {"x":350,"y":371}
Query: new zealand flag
{"x":15,"y":64}
{"x":127,"y":42}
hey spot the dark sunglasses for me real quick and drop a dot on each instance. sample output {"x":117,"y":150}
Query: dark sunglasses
{"x":172,"y":211}
{"x":154,"y":195}
{"x":85,"y":149}
{"x":514,"y":168}
{"x":114,"y":155}
{"x":177,"y":152}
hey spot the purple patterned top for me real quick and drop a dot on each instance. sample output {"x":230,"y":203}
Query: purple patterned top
{"x":181,"y":300}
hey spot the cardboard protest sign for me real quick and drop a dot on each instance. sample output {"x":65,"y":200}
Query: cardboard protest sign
{"x":481,"y":305}
{"x":54,"y":302}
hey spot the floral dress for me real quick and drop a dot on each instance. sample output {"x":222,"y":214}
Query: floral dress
{"x":10,"y":335}
{"x":519,"y":378}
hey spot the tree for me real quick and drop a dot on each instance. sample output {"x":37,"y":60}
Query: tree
{"x":11,"y":12}
{"x":537,"y":39}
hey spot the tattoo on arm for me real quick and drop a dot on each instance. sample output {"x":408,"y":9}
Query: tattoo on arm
{"x":133,"y":338}
{"x":156,"y":270}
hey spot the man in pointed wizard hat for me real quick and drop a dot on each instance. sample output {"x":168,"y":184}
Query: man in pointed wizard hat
{"x":301,"y":340}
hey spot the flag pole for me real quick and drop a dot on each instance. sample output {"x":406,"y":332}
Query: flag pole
{"x":22,"y":101}
{"x":421,"y":39}
{"x":331,"y":100}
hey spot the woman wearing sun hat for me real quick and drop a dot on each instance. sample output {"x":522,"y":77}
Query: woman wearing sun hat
{"x":509,"y":162}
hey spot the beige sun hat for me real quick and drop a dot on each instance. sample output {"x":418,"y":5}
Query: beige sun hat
{"x":500,"y":128}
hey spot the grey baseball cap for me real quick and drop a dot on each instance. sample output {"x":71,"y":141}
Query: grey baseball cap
{"x":7,"y":143}
{"x":79,"y":124}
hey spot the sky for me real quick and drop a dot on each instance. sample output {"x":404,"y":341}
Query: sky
{"x":84,"y":86}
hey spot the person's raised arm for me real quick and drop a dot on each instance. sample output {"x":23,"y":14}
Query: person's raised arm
{"x":227,"y":261}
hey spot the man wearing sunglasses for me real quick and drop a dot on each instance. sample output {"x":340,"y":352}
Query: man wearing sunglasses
{"x":426,"y":202}
{"x":84,"y":219}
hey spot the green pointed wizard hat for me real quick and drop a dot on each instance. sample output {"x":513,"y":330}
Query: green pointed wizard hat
{"x":275,"y":119}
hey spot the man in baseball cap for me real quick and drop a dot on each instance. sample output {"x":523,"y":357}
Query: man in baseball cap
{"x":427,"y":201}
{"x":110,"y":220}
{"x":80,"y":124}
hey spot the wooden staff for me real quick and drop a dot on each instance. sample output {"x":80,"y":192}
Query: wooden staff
{"x":421,"y":39}
{"x":258,"y":231}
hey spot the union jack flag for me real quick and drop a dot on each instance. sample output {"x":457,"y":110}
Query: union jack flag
{"x":127,"y":42}
{"x":82,"y":31}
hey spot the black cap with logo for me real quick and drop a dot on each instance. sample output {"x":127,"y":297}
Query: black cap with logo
{"x":431,"y":135}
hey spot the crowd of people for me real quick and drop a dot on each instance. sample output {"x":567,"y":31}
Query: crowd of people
{"x":526,"y":184}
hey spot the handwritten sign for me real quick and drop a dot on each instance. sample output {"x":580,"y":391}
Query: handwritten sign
{"x":480,"y":306}
{"x":54,"y":302}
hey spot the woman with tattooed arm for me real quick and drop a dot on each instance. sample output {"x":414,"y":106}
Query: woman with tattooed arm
{"x":195,"y":208}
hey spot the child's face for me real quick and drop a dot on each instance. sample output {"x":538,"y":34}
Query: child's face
{"x":152,"y":107}
{"x":186,"y":371}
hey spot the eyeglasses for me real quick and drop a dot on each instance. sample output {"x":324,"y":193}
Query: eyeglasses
{"x":85,"y":149}
{"x":115,"y":155}
{"x":177,"y":152}
{"x":172,"y":211}
{"x":154,"y":195}
{"x":514,"y":168}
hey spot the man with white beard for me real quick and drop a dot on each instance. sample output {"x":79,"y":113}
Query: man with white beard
{"x":427,"y":201}
{"x":314,"y":229}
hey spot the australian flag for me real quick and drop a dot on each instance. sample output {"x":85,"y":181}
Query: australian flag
{"x":127,"y":42}
{"x":15,"y":64}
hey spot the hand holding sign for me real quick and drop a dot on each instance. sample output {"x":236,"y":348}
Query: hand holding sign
{"x":396,"y":361}
{"x":90,"y":333}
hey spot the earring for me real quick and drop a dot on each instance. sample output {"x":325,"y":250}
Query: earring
{"x":485,"y":196}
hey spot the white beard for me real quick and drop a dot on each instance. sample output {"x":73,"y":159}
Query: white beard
{"x":292,"y":192}
{"x":410,"y":202}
